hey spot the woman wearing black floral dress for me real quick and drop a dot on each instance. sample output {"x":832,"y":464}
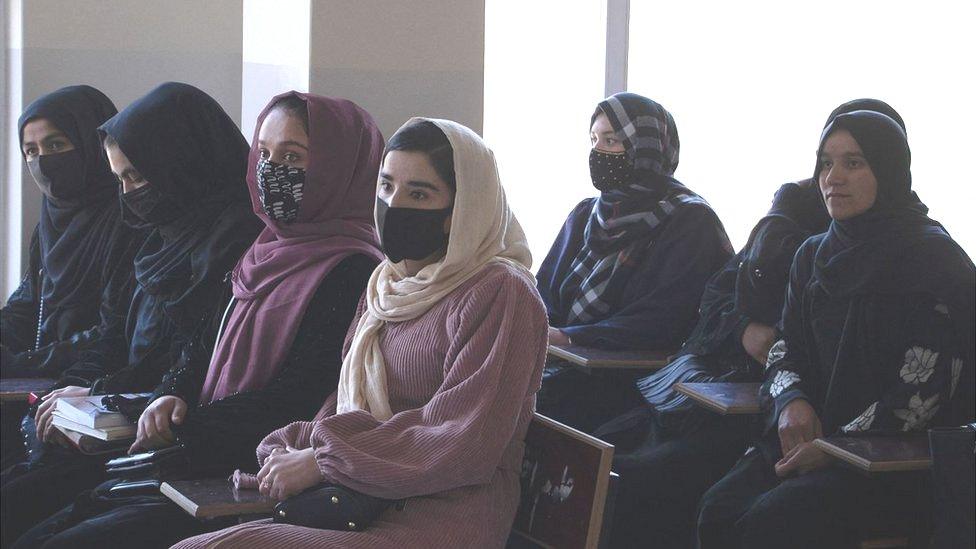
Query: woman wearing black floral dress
{"x":877,"y":336}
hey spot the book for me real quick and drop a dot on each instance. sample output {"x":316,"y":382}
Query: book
{"x":90,"y":445}
{"x":118,"y":432}
{"x":90,"y":412}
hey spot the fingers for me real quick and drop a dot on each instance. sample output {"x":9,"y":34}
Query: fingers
{"x":179,"y":412}
{"x":45,"y":407}
{"x":817,"y":429}
{"x":788,"y":464}
{"x":161,"y":423}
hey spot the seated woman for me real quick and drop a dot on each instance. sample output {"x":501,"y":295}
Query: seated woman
{"x":877,"y":337}
{"x":181,"y":162}
{"x":669,"y":450}
{"x":80,"y":258}
{"x":314,"y":163}
{"x":441,"y":366}
{"x":628,"y":269}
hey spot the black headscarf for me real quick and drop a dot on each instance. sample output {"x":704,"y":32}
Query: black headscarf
{"x":81,"y":235}
{"x":894,"y":248}
{"x":183,"y":143}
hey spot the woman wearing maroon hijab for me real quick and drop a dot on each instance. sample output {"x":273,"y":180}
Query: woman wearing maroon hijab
{"x":275,"y":354}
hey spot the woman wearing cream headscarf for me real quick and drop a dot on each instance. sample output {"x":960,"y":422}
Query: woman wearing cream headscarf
{"x":442,"y":364}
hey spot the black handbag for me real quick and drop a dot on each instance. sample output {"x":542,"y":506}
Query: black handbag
{"x":332,"y":507}
{"x":954,"y":486}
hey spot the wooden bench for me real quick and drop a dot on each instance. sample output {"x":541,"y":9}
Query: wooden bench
{"x":723,"y":398}
{"x":18,"y":389}
{"x":589,"y":359}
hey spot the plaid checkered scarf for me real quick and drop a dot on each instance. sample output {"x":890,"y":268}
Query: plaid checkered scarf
{"x":623,"y":222}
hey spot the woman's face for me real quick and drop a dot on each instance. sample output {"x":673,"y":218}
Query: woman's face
{"x":603,"y":137}
{"x":847,"y":183}
{"x":408,"y":180}
{"x":283,"y":140}
{"x":124,"y":171}
{"x":40,"y":138}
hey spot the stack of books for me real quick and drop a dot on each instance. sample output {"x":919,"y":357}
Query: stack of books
{"x":91,"y":427}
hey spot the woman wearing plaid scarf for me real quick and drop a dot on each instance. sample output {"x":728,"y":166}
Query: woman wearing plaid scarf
{"x":628,"y":269}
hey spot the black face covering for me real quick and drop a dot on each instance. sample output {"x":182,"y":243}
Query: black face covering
{"x":281,"y":189}
{"x":150,"y":205}
{"x":410,"y":233}
{"x":610,"y":171}
{"x":59,"y":176}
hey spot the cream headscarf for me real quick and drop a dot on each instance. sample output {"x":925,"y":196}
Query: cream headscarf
{"x":483,"y":230}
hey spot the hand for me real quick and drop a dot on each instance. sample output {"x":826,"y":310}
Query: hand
{"x":801,"y":460}
{"x":287,"y":472}
{"x":154,"y":423}
{"x":557,"y":337}
{"x":43,"y":420}
{"x":798,"y":423}
{"x":757,"y":339}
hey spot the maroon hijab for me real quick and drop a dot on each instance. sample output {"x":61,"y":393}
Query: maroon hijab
{"x":282,"y":270}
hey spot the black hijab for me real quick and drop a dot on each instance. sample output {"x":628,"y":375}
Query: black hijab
{"x":894,"y":248}
{"x":79,"y":231}
{"x":184,"y":144}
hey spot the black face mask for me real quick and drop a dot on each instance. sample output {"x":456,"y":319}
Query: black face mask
{"x":150,"y":205}
{"x":410,"y":233}
{"x":610,"y":171}
{"x":59,"y":176}
{"x":280,"y":189}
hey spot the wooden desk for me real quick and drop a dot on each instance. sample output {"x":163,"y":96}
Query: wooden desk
{"x":879,"y":454}
{"x":216,"y":497}
{"x":724,"y":398}
{"x":589,"y":358}
{"x":18,"y":389}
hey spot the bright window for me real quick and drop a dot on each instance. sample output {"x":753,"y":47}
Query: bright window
{"x":751,"y":83}
{"x":543,"y":77}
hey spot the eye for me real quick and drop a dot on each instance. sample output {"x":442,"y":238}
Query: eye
{"x":264,"y":154}
{"x":612,"y":141}
{"x":418,"y":195}
{"x":291,"y":157}
{"x":826,"y":164}
{"x":854,"y":163}
{"x":57,"y":145}
{"x":30,"y":151}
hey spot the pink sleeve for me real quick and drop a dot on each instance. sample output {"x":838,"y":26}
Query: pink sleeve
{"x":494,"y":364}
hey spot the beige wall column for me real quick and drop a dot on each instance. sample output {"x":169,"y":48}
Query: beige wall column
{"x":401,"y":59}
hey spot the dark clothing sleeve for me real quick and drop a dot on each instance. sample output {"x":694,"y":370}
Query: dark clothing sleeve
{"x":763,"y":274}
{"x":788,"y":367}
{"x":555,"y":267}
{"x":222,"y":435}
{"x":660,"y":306}
{"x":18,"y":318}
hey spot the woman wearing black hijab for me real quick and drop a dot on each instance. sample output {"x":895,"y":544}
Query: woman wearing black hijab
{"x":669,"y":451}
{"x":80,"y":263}
{"x":877,"y":337}
{"x":182,"y":163}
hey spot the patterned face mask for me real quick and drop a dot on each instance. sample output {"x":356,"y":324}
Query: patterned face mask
{"x":281,"y":189}
{"x":610,"y":171}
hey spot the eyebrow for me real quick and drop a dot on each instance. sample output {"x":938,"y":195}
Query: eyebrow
{"x":845,"y":155}
{"x":55,"y":135}
{"x":414,"y":183}
{"x":289,"y":143}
